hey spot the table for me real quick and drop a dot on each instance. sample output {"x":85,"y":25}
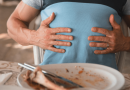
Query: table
{"x":6,"y":66}
{"x":13,"y":67}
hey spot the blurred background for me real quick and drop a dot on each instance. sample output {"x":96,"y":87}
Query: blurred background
{"x":12,"y":51}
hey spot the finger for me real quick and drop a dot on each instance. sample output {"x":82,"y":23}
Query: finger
{"x":114,"y":24}
{"x":55,"y":49}
{"x":61,"y":37}
{"x":99,"y":38}
{"x":37,"y":69}
{"x":33,"y":75}
{"x":48,"y":20}
{"x":59,"y":43}
{"x":94,"y":44}
{"x":60,"y":30}
{"x":27,"y":75}
{"x":102,"y":51}
{"x":101,"y":30}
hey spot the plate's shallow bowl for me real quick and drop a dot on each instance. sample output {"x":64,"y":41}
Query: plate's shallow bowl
{"x":87,"y":75}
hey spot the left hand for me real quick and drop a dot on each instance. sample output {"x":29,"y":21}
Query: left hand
{"x":114,"y":40}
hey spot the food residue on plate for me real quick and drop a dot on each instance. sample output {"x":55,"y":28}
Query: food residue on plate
{"x":86,"y":78}
{"x":67,"y":70}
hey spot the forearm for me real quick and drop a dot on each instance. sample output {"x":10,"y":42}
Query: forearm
{"x":19,"y":31}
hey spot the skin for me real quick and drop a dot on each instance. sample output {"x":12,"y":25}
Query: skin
{"x":115,"y":38}
{"x":45,"y":37}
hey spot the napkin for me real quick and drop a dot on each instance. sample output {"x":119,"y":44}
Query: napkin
{"x":4,"y":77}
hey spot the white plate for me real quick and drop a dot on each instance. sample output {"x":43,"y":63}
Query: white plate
{"x":93,"y":75}
{"x":6,"y":87}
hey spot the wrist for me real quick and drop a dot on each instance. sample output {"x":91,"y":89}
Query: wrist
{"x":33,"y":37}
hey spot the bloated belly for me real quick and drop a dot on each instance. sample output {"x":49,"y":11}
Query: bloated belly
{"x":80,"y":17}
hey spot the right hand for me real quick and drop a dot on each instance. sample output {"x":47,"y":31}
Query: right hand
{"x":45,"y":37}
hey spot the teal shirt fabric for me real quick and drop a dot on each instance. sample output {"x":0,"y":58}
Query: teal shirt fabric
{"x":80,"y":17}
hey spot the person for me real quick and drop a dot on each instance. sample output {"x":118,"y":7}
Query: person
{"x":73,"y":31}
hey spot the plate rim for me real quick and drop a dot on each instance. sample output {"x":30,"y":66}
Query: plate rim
{"x":102,"y":67}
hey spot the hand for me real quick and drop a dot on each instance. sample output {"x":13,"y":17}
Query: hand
{"x":46,"y":37}
{"x":114,"y":41}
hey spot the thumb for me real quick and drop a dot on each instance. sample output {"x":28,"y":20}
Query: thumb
{"x":112,"y":21}
{"x":47,"y":21}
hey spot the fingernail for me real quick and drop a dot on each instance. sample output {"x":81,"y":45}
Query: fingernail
{"x":92,"y":44}
{"x":63,"y":51}
{"x":90,"y":39}
{"x":69,"y":30}
{"x":93,"y":29}
{"x":96,"y":52}
{"x":68,"y":44}
{"x":71,"y":38}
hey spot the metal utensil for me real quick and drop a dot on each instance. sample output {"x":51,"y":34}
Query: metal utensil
{"x":44,"y":71}
{"x":61,"y":81}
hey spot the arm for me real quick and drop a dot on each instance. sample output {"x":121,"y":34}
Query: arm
{"x":44,"y":37}
{"x":19,"y":21}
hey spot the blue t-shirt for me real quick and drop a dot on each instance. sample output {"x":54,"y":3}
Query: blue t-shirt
{"x":81,"y":16}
